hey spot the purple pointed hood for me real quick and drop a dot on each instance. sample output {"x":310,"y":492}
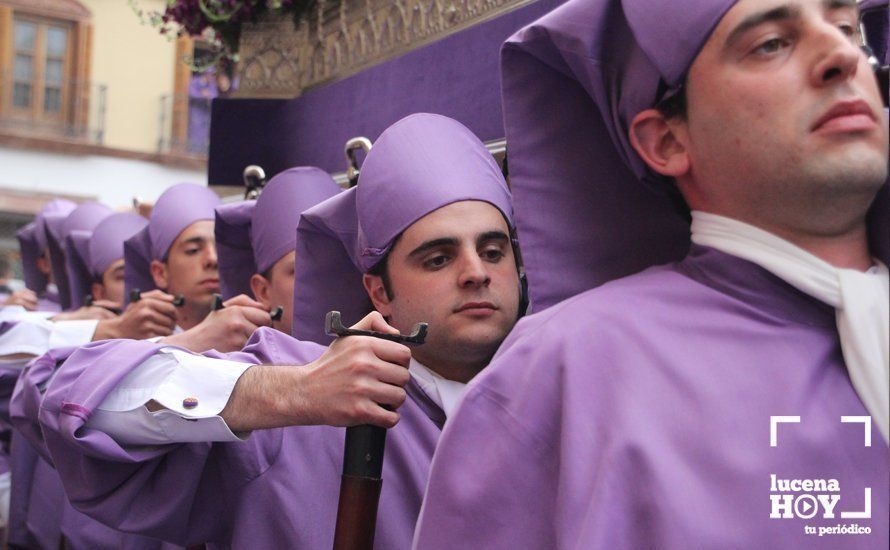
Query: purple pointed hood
{"x":30,"y":252}
{"x":91,"y":253}
{"x":419,"y":164}
{"x":83,"y":218}
{"x":252,"y":235}
{"x":32,"y":242}
{"x":77,"y":250}
{"x":177,"y":208}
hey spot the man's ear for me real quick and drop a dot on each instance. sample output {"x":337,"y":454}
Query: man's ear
{"x":43,"y":265}
{"x":377,"y":292}
{"x":259,"y":285}
{"x":660,"y":143}
{"x":159,"y":274}
{"x":98,"y":291}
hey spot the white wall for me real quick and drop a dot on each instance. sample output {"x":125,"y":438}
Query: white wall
{"x":112,"y":181}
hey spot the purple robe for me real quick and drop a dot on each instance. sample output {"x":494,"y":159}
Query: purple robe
{"x":638,"y":414}
{"x":40,"y":515}
{"x":278,"y":488}
{"x":597,"y":429}
{"x":48,"y":300}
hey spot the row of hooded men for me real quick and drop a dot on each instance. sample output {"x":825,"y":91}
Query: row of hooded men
{"x":637,"y":414}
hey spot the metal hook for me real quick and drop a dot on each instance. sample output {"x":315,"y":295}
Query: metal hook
{"x":882,"y":73}
{"x":254,"y":180}
{"x":333,"y":326}
{"x":276,"y":313}
{"x":352,"y":146}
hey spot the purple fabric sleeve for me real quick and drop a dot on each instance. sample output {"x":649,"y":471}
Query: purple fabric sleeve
{"x":178,"y":493}
{"x":28,"y":393}
{"x":122,"y":487}
{"x":43,"y":514}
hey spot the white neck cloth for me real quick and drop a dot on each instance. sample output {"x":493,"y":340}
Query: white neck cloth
{"x":861,"y":300}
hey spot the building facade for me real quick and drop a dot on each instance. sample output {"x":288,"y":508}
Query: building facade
{"x":94,"y":104}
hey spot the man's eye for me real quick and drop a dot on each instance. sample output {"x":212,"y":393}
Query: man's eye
{"x":492,"y":254}
{"x":850,"y":30}
{"x":436,"y":261}
{"x":191,"y":251}
{"x":771,"y":46}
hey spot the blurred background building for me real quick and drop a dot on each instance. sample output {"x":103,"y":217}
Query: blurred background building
{"x":94,"y":104}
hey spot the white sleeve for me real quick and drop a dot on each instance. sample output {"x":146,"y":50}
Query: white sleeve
{"x":16,"y":313}
{"x":72,"y":333}
{"x":193,"y":389}
{"x":35,"y":336}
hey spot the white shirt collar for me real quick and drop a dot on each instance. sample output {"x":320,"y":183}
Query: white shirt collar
{"x":444,"y":393}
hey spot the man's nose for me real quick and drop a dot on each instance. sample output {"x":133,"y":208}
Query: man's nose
{"x":210,"y":257}
{"x":474,"y":271}
{"x":838,"y":59}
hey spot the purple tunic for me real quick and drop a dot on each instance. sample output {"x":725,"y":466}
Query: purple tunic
{"x":277,"y":489}
{"x":638,"y":414}
{"x":49,"y":301}
{"x":597,"y":429}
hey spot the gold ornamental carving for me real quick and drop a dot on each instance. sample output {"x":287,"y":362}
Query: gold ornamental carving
{"x":342,"y":37}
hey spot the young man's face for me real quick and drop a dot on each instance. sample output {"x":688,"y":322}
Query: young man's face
{"x":783,"y":109}
{"x":454,"y":268}
{"x":277,"y":290}
{"x":112,"y":285}
{"x":191,"y":266}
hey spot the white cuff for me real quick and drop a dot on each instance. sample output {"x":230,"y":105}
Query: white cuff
{"x":193,"y":389}
{"x":72,"y":333}
{"x":28,"y":337}
{"x":143,"y":427}
{"x":17,"y":313}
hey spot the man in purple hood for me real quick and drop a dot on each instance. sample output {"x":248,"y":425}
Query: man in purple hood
{"x":96,"y":259}
{"x":737,"y":397}
{"x":255,"y":239}
{"x":426,"y":236}
{"x":40,"y":292}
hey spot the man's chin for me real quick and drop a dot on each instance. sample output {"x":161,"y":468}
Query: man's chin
{"x":202,"y":298}
{"x":856,"y":168}
{"x":482,"y":336}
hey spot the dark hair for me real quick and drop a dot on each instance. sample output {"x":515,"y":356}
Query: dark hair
{"x":382,"y":270}
{"x":673,"y":106}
